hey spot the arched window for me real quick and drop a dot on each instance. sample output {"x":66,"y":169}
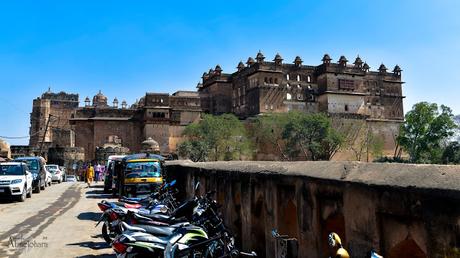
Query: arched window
{"x":298,"y":77}
{"x":288,"y":85}
{"x":288,"y":96}
{"x":271,"y":80}
{"x":287,"y":76}
{"x":276,"y":80}
{"x":308,"y":78}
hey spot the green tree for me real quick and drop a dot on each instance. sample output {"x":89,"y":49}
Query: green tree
{"x":451,"y":154}
{"x":425,"y":131}
{"x":312,"y":135}
{"x":267,"y":131}
{"x":215,"y":138}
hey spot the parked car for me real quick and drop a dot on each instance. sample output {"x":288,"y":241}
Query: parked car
{"x":15,"y":181}
{"x":56,"y":173}
{"x":71,"y":178}
{"x":36,"y":166}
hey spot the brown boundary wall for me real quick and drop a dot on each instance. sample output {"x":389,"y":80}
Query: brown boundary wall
{"x":400,"y":210}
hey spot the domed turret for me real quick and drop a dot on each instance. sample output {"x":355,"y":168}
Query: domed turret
{"x":87,"y":102}
{"x":382,"y":69}
{"x":99,"y":100}
{"x":250,"y":61}
{"x":5,"y":151}
{"x":326,"y":59}
{"x":218,"y":70}
{"x":260,"y":57}
{"x":366,"y":67}
{"x":358,"y":62}
{"x":397,"y":70}
{"x":298,"y":61}
{"x":240,"y":66}
{"x":278,"y":59}
{"x":150,"y":146}
{"x":343,"y":61}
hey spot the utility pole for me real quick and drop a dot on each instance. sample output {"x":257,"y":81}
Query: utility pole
{"x":46,"y":130}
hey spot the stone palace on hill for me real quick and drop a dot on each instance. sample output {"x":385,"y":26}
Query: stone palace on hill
{"x":96,"y":128}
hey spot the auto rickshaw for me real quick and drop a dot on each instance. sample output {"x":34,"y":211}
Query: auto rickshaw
{"x":139,"y":174}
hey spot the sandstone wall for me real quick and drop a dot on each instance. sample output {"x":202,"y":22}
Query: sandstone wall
{"x":400,"y":210}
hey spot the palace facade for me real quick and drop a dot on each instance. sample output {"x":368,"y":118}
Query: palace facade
{"x":348,"y":91}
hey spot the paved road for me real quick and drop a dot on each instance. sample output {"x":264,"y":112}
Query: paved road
{"x":58,"y":222}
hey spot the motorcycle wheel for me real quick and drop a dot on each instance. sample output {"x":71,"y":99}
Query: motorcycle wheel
{"x":106,"y":234}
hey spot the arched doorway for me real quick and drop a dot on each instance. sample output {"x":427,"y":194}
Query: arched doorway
{"x":334,"y":223}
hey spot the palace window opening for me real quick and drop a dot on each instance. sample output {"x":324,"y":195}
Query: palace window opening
{"x":288,"y":96}
{"x":298,"y":77}
{"x":308,"y":78}
{"x":287,"y":76}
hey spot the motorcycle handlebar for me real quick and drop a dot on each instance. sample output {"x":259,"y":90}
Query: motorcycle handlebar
{"x":252,"y":254}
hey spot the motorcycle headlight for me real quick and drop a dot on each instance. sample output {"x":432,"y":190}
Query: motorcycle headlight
{"x":16,"y":181}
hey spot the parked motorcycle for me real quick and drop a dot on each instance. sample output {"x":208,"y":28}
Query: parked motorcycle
{"x":204,"y":235}
{"x":160,"y":203}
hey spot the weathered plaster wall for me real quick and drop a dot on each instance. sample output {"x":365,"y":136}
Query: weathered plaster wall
{"x":400,"y":210}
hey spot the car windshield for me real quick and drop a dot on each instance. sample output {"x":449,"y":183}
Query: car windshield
{"x":142,"y":174}
{"x":143,"y":169}
{"x":51,"y":167}
{"x":11,"y":170}
{"x":31,"y":163}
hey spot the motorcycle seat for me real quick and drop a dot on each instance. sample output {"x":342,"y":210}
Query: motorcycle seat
{"x":126,"y":226}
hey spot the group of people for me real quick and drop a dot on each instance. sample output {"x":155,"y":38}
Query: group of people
{"x":91,"y":172}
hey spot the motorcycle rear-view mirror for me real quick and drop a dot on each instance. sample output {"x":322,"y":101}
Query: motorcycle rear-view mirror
{"x":197,"y":187}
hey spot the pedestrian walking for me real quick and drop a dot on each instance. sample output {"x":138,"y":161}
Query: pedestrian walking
{"x":90,"y":174}
{"x":97,"y":170}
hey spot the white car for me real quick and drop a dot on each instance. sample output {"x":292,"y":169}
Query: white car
{"x":71,"y":178}
{"x":15,"y":181}
{"x":56,"y":173}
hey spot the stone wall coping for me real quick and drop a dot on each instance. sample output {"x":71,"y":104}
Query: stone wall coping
{"x":397,"y":175}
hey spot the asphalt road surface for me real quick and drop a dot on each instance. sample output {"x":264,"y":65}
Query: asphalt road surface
{"x":58,"y":222}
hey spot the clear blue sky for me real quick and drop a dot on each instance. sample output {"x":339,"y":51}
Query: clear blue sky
{"x":127,"y":48}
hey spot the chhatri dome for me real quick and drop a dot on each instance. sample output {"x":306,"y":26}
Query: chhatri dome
{"x":99,"y":100}
{"x":150,"y":146}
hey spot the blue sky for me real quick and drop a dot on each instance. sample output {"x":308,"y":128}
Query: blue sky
{"x":127,"y":48}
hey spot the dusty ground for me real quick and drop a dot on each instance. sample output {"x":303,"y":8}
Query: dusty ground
{"x":58,"y":222}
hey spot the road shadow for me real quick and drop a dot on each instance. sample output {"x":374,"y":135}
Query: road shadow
{"x":93,"y":245}
{"x":98,"y":194}
{"x":94,"y":216}
{"x":97,"y":186}
{"x":6,"y":201}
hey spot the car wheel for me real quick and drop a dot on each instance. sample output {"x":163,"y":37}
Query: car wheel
{"x":23,"y":197}
{"x":29,"y":193}
{"x":39,"y":186}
